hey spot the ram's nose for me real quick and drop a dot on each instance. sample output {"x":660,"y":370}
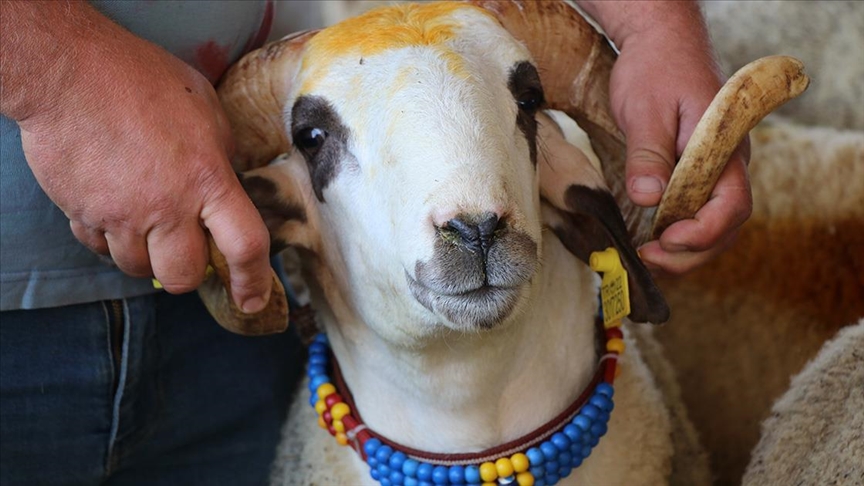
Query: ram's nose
{"x":474,"y":231}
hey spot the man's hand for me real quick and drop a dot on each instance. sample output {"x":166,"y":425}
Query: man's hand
{"x":662,"y":82}
{"x":132,"y":144}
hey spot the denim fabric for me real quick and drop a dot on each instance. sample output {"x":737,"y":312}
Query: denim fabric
{"x":154,"y":394}
{"x":41,"y":262}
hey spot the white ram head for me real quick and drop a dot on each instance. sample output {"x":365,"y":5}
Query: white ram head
{"x":412,"y":180}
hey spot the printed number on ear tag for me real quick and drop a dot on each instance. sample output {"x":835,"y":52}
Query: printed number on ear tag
{"x":614,"y":293}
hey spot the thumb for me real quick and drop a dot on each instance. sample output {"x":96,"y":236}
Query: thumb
{"x":650,"y":160}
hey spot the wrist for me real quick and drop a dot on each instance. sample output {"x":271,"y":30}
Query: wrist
{"x":629,"y":22}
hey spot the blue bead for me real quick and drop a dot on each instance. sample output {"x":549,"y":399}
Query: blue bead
{"x":456,"y":474}
{"x":474,"y":484}
{"x":317,"y":381}
{"x":508,"y":480}
{"x":371,"y":446}
{"x":594,"y":441}
{"x":384,"y":471}
{"x":472,"y":474}
{"x":561,"y":441}
{"x":397,"y":478}
{"x":565,"y":471}
{"x":586,"y":438}
{"x":315,"y":370}
{"x":426,"y":483}
{"x":374,"y":474}
{"x":383,"y":454}
{"x":577,"y":460}
{"x":320,"y":338}
{"x":317,"y":347}
{"x":318,"y":359}
{"x":599,"y":429}
{"x":564,"y":459}
{"x":601,"y":401}
{"x":605,"y":389}
{"x":535,"y":456}
{"x":409,"y":481}
{"x":396,"y":460}
{"x":604,"y":417}
{"x":385,"y":482}
{"x":573,"y":433}
{"x":551,"y":478}
{"x":586,"y":451}
{"x":409,"y":468}
{"x":590,"y":411}
{"x":550,"y":452}
{"x":424,"y":471}
{"x":537,"y":471}
{"x":551,"y":466}
{"x":539,"y":482}
{"x":439,"y":475}
{"x":582,"y":422}
{"x":373,"y":463}
{"x":313,"y":399}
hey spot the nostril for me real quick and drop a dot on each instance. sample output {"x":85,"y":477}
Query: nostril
{"x":476,"y":230}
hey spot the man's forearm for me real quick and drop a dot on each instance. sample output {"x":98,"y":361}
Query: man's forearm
{"x":46,"y":47}
{"x":623,"y":20}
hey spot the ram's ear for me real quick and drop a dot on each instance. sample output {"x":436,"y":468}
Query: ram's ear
{"x":281,"y":192}
{"x":586,"y":218}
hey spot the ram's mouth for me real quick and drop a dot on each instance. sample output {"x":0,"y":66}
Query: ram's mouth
{"x":481,"y":308}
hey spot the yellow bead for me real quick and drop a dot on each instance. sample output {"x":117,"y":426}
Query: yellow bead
{"x":341,"y":438}
{"x":340,"y":410}
{"x":525,"y":479}
{"x":520,"y":462}
{"x":320,"y":407}
{"x":326,"y":390}
{"x":322,"y":423}
{"x":504,"y":467}
{"x":488,"y":471}
{"x":490,"y":484}
{"x":338,"y":426}
{"x":614,"y":344}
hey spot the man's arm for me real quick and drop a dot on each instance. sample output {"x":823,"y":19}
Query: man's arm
{"x":132,"y":144}
{"x":664,"y":79}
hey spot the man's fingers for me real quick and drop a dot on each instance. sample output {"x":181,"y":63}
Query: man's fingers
{"x":178,"y":256}
{"x":240,"y":234}
{"x":729,"y":207}
{"x":93,"y":239}
{"x":664,"y":263}
{"x":129,"y":252}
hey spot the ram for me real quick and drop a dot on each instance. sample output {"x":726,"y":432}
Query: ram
{"x":446,"y":225}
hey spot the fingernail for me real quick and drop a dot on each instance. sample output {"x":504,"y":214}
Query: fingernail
{"x":647,"y":185}
{"x":253,"y":305}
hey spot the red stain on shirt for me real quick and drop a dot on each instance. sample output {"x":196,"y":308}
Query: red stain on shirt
{"x":212,"y":59}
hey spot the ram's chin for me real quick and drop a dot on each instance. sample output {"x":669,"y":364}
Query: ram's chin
{"x":483,"y":308}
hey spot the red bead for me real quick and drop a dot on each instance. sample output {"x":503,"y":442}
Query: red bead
{"x":327,"y":417}
{"x":609,"y":373}
{"x":350,"y":422}
{"x":613,"y":332}
{"x":331,"y":430}
{"x":333,"y":400}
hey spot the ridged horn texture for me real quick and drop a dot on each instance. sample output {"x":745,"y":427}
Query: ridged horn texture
{"x":254,"y":93}
{"x":575,"y":64}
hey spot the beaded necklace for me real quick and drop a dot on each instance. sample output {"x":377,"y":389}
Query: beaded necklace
{"x":540,"y":458}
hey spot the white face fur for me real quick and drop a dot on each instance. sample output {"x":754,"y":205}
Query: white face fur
{"x":426,"y":187}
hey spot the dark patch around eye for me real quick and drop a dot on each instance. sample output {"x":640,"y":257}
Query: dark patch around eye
{"x":314,"y":112}
{"x":275,"y":211}
{"x":524,"y":84}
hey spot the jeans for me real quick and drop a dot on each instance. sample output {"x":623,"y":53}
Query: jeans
{"x":146,"y":390}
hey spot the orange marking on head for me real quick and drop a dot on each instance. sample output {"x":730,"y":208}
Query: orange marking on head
{"x":383,"y":29}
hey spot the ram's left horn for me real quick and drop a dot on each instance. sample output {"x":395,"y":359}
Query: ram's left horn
{"x":752,"y":93}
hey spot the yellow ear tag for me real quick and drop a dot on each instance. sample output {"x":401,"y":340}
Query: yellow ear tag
{"x":158,"y":285}
{"x":614,"y":292}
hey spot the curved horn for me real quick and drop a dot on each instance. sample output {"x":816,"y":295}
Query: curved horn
{"x":748,"y":96}
{"x":254,"y":93}
{"x":575,"y":64}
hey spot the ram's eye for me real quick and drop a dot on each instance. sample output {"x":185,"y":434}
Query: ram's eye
{"x":530,"y":100}
{"x":310,"y":140}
